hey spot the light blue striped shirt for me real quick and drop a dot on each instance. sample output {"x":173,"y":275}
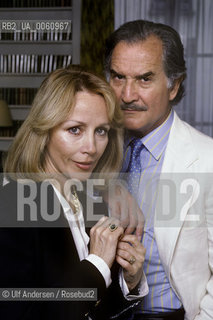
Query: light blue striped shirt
{"x":161,"y":297}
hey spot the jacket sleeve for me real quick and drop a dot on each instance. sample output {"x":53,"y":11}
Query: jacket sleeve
{"x":113,"y":304}
{"x":206,"y":304}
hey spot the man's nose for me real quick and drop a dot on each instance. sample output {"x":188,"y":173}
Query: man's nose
{"x":129,"y":92}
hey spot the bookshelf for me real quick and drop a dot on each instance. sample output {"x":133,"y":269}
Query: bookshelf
{"x":27,"y":57}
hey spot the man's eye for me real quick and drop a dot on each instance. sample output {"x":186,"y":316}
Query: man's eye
{"x":102,"y":131}
{"x":117,"y":76}
{"x":74,"y":130}
{"x":145,"y":79}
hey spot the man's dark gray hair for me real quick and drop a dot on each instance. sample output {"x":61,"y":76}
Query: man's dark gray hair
{"x":173,"y":51}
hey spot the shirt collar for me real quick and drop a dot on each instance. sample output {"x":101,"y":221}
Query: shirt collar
{"x":65,"y":205}
{"x":155,"y":141}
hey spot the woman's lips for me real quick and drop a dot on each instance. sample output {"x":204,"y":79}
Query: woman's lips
{"x":84,"y":165}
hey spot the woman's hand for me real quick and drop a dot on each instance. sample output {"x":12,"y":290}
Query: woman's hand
{"x":130,"y":255}
{"x":104,"y":238}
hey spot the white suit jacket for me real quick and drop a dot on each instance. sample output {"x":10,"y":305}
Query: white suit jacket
{"x":184,"y":218}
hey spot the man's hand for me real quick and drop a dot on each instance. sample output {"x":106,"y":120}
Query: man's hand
{"x":130,"y":255}
{"x":124,"y":207}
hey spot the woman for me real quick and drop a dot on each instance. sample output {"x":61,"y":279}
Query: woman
{"x":73,"y":131}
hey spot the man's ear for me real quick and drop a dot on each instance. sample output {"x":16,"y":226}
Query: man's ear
{"x":174,"y":89}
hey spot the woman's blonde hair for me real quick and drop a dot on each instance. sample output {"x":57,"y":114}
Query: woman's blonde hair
{"x":53,"y":103}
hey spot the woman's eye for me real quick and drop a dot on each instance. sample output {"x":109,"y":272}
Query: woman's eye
{"x":102,"y":131}
{"x":74,"y":130}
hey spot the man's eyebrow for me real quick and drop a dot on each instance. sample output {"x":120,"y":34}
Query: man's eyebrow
{"x":113,"y":72}
{"x":138,"y":77}
{"x":144,"y":75}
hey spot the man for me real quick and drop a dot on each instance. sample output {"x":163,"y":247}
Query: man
{"x":145,"y":65}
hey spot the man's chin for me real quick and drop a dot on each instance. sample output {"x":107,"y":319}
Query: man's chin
{"x":131,"y":125}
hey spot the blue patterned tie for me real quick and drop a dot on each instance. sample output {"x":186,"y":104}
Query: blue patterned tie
{"x":135,"y":166}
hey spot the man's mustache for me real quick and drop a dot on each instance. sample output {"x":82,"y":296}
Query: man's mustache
{"x":133,"y":107}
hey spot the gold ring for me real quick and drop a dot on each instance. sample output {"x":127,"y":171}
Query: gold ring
{"x":112,"y":227}
{"x":132,"y":260}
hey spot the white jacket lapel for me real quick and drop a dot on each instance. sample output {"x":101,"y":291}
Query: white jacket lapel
{"x":179,"y":156}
